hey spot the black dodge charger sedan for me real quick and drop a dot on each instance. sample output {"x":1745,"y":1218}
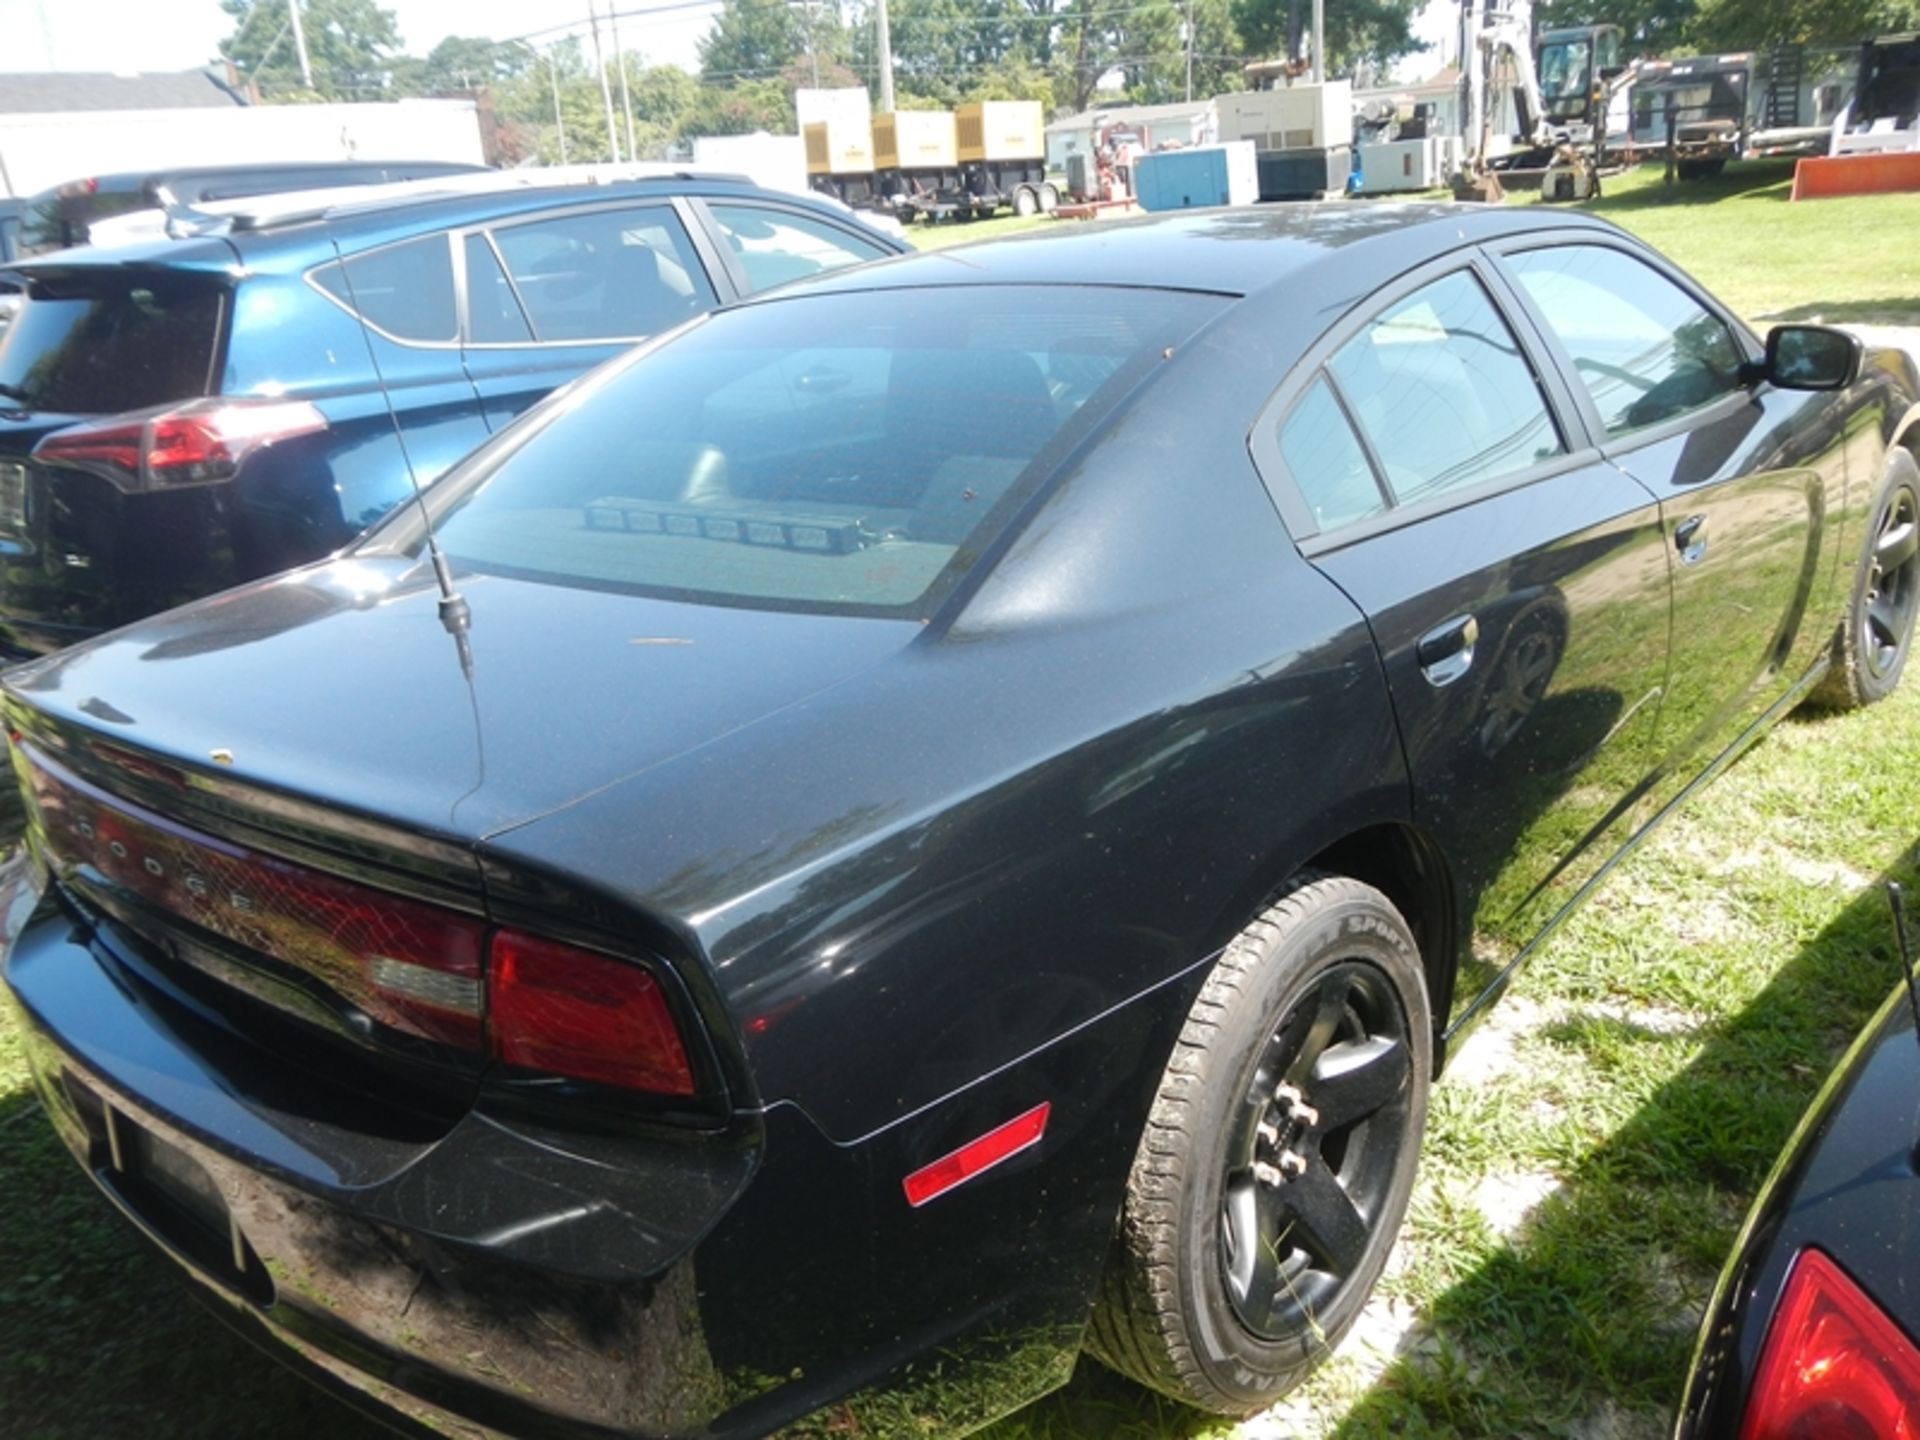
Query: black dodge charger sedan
{"x":952,"y":819}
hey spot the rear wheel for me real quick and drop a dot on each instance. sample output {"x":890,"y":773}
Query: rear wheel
{"x":1049,"y":198}
{"x":1025,"y":201}
{"x":1870,"y":651}
{"x":1278,"y":1157}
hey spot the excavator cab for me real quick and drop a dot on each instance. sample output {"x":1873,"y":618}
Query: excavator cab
{"x":1574,"y":65}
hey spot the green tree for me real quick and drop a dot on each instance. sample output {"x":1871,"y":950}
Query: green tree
{"x":352,"y":45}
{"x":1380,"y":31}
{"x":1752,"y":24}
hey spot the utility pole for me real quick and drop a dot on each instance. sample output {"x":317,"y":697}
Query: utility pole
{"x":300,"y":43}
{"x":884,"y":39}
{"x":1189,"y":52}
{"x":626,"y":99}
{"x":553,"y":67}
{"x":1319,"y":41}
{"x":606,"y":91}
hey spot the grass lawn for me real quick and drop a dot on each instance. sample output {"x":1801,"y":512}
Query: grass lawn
{"x":1589,"y":1157}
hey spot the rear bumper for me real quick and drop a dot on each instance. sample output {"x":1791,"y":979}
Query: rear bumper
{"x":498,"y":1278}
{"x":456,"y":1275}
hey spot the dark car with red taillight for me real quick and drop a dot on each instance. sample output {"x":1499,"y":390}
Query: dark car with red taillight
{"x":178,"y":415}
{"x":933,"y":820}
{"x":1812,"y":1328}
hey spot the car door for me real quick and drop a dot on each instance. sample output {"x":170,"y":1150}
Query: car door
{"x":405,"y":295}
{"x":1434,"y":467}
{"x":763,"y":243}
{"x":550,"y":296}
{"x":1745,"y":475}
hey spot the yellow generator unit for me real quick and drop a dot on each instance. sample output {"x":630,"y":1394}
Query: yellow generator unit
{"x":914,"y":140}
{"x":842,"y":146}
{"x":994,"y":130}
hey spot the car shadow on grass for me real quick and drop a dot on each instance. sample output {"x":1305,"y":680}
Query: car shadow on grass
{"x":1747,"y":179}
{"x":1588,"y":1312}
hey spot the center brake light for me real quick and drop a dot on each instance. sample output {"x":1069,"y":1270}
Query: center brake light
{"x":1833,"y":1364}
{"x":199,"y":443}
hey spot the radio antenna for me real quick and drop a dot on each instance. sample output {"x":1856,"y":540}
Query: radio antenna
{"x":454,"y":614}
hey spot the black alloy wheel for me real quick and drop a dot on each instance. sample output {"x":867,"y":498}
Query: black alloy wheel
{"x":1870,"y":652}
{"x":1314,"y":1151}
{"x":1893,"y":582}
{"x":1278,"y":1156}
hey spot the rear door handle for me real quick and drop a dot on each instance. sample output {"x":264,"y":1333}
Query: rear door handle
{"x":1445,"y":653}
{"x":1690,"y":539}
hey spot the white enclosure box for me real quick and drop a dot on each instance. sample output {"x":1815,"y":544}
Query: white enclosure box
{"x":778,"y":162}
{"x":993,"y":130}
{"x":1388,"y":167}
{"x":914,"y":140}
{"x":1298,"y":117}
{"x":839,"y":147}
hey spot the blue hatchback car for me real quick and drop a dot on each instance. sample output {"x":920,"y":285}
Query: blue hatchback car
{"x":180,"y":415}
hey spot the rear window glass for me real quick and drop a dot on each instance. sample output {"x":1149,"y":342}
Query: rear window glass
{"x":405,"y":290}
{"x":850,"y":452}
{"x":112,"y":343}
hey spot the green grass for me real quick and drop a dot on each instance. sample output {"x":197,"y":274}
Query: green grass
{"x":1646,"y":1067}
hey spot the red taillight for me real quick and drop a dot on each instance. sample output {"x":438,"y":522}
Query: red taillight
{"x":411,"y":966}
{"x":193,"y":444}
{"x":573,"y":1012}
{"x":1833,"y":1364}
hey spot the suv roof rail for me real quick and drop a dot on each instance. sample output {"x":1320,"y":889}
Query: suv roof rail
{"x":265,"y":212}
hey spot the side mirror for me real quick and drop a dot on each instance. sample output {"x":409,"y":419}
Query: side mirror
{"x":1811,"y":357}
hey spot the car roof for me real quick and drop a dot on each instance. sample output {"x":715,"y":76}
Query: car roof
{"x":367,"y":215}
{"x":124,"y":180}
{"x":1241,"y":250}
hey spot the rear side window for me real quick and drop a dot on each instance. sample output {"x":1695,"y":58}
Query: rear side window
{"x":1645,"y":349}
{"x":100,"y":344}
{"x":775,"y":246}
{"x":1326,"y":462}
{"x":849,"y":452}
{"x":1444,"y":393}
{"x":494,"y":316}
{"x":404,"y":290}
{"x":605,"y":274}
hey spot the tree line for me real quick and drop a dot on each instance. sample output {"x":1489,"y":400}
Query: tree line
{"x":945,"y":52}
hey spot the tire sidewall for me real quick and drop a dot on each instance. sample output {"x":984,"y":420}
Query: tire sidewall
{"x":1901,"y":473}
{"x":1245,"y":1367}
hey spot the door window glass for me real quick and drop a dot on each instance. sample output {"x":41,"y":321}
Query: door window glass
{"x":1645,"y":349}
{"x":493,"y":314}
{"x":404,"y":290}
{"x":1444,"y":393}
{"x":775,"y":246}
{"x":606,"y":274}
{"x":1326,"y":462}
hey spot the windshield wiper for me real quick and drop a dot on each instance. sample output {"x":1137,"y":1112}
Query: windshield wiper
{"x":14,"y":392}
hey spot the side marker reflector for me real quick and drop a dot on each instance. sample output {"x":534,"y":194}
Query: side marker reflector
{"x":1022,"y":1132}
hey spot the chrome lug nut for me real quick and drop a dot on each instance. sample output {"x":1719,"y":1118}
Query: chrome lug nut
{"x":1266,"y":1174}
{"x":1292,"y":1163}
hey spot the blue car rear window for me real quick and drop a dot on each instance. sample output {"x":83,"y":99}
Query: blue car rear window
{"x":847,"y":452}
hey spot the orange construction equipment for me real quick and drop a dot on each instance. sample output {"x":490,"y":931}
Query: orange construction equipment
{"x":1824,"y":177}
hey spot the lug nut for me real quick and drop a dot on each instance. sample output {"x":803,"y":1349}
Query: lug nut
{"x":1265,"y":1174}
{"x":1268,"y":1131}
{"x":1291,"y":1163}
